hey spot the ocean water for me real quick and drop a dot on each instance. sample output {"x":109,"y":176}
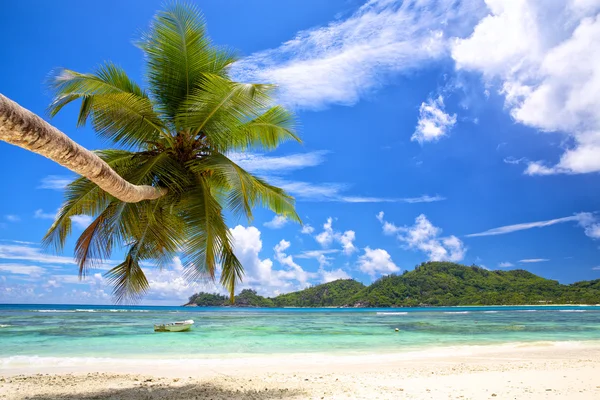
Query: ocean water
{"x":127,"y":332}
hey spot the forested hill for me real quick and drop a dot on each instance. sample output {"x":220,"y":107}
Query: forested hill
{"x":430,"y":284}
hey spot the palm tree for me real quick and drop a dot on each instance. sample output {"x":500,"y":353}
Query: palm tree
{"x":165,"y":189}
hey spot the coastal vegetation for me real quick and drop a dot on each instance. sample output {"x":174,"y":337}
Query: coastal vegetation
{"x":429,"y":284}
{"x":165,"y":187}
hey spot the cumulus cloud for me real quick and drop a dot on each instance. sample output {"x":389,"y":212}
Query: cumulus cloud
{"x":426,"y":237}
{"x":506,"y":264}
{"x":376,"y":261}
{"x":307,"y":229}
{"x":588,"y":221}
{"x":278,"y":221}
{"x":328,"y":236}
{"x":247,"y":247}
{"x":433,"y":122}
{"x":540,"y":65}
{"x":295,"y":271}
{"x":341,"y":62}
{"x":270,"y":281}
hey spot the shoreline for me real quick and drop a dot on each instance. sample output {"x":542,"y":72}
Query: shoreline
{"x":14,"y":365}
{"x":547,"y":370}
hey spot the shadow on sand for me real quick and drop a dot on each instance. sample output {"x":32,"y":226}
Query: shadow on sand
{"x":164,"y":392}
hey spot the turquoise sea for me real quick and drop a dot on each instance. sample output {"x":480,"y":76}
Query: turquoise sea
{"x":127,"y":332}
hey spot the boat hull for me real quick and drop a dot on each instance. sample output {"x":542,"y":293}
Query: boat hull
{"x":174,"y":327}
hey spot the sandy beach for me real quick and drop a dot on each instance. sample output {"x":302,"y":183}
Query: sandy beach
{"x":532,"y":371}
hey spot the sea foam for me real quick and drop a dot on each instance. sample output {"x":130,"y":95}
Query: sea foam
{"x":392,"y":313}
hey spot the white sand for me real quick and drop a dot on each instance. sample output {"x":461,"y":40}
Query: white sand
{"x":540,"y":371}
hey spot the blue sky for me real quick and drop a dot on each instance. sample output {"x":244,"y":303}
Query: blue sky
{"x":430,"y":131}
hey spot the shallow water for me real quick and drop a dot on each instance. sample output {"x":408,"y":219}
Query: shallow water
{"x":127,"y":332}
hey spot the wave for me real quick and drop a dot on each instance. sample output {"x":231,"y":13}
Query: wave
{"x":391,"y":313}
{"x":526,"y":310}
{"x":457,"y":312}
{"x":490,"y":312}
{"x":83,"y":310}
{"x":4,"y":326}
{"x":56,"y":311}
{"x":571,"y":310}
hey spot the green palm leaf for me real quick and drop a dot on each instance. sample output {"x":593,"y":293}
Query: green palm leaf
{"x":178,"y":54}
{"x":119,"y":109}
{"x":176,"y":136}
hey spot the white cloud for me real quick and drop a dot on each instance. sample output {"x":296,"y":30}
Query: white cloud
{"x":425,"y":237}
{"x":433,"y":122}
{"x":32,"y":254}
{"x":376,"y":261}
{"x":278,"y":221}
{"x":12,"y":218}
{"x":39,"y":213}
{"x":328,"y":236}
{"x":343,"y":61}
{"x":55,"y":182}
{"x":333,"y":275}
{"x":82,"y":221}
{"x":22,"y":269}
{"x":259,"y":273}
{"x":506,"y":264}
{"x":586,"y":220}
{"x":596,"y":268}
{"x":422,"y":199}
{"x":346,"y":239}
{"x":260,"y":163}
{"x":548,"y":65}
{"x":534,"y":260}
{"x":316,"y":254}
{"x":247,"y":246}
{"x":334,"y":192}
{"x":273,"y":168}
{"x":590,"y":224}
{"x":307,"y":229}
{"x":295,"y":271}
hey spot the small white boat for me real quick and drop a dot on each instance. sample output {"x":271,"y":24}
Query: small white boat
{"x":179,"y":326}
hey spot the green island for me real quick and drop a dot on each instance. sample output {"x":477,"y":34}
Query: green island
{"x":429,"y":284}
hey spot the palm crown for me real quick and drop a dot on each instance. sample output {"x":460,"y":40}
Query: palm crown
{"x":175,"y":135}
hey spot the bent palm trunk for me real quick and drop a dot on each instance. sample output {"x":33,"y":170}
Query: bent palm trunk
{"x":23,"y":128}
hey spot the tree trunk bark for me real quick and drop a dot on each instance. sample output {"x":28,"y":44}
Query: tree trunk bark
{"x":23,"y":128}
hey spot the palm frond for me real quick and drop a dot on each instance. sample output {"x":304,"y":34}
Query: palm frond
{"x":207,"y":230}
{"x":178,"y":54}
{"x":267,"y":131}
{"x":219,"y":106}
{"x":96,"y":242}
{"x":83,"y":197}
{"x":120,"y":110}
{"x":243,"y":190}
{"x":232,"y":271}
{"x":128,"y":279}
